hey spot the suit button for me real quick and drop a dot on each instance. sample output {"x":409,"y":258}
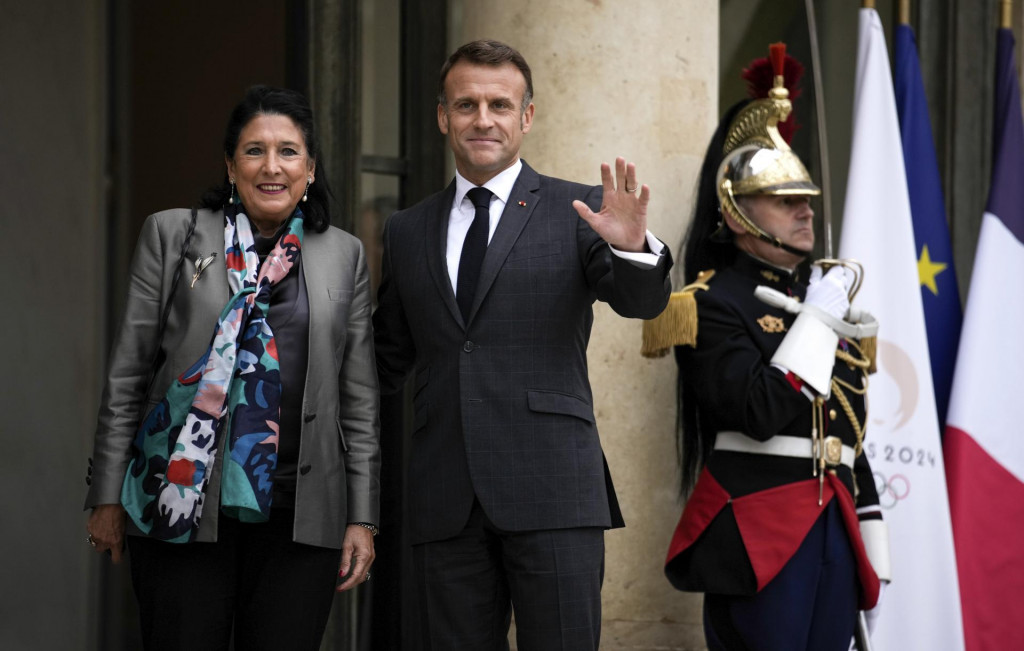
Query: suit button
{"x":468,"y":347}
{"x":309,"y":417}
{"x":304,"y":470}
{"x":88,"y":481}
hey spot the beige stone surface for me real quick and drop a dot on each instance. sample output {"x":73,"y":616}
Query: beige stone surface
{"x":639,"y":80}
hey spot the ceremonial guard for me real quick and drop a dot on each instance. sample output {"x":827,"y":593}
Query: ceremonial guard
{"x":782,"y":529}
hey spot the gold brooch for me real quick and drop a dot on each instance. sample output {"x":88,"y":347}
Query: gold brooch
{"x":770,"y":276}
{"x":771,"y":324}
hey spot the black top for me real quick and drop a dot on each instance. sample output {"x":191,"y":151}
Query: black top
{"x":289,"y":320}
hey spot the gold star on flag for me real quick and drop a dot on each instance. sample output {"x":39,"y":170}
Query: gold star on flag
{"x":927,"y":270}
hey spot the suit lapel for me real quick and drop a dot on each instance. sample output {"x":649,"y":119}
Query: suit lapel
{"x":212,"y":282}
{"x":520,"y":206}
{"x":437,"y":261}
{"x":315,"y":273}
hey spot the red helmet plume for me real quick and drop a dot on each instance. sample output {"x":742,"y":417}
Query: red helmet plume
{"x":760,"y":76}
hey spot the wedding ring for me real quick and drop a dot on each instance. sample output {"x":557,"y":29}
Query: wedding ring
{"x":634,"y":189}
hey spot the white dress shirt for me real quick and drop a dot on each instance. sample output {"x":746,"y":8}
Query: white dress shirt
{"x":463,"y":212}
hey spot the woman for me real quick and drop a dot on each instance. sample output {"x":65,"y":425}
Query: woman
{"x":251,"y":485}
{"x":787,"y":543}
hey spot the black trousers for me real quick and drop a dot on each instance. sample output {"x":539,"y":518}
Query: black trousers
{"x":468,"y":585}
{"x":255,"y":582}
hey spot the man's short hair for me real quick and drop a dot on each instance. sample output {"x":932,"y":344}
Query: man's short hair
{"x":487,"y":53}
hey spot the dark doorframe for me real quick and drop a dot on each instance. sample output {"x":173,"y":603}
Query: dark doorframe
{"x":334,"y":52}
{"x":424,"y":50}
{"x":381,"y":614}
{"x":424,"y":47}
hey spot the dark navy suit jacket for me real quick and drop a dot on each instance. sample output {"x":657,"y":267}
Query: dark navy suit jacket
{"x":503,"y":406}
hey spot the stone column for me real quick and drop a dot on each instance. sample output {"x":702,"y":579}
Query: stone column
{"x":638,"y":80}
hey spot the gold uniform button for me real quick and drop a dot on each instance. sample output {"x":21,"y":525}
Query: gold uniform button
{"x":832,"y":414}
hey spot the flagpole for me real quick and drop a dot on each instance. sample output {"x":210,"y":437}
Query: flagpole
{"x":1006,"y":14}
{"x":861,"y":634}
{"x":819,"y":112}
{"x":904,"y":12}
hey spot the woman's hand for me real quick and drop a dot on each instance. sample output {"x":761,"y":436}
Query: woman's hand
{"x":106,"y":529}
{"x":356,"y":556}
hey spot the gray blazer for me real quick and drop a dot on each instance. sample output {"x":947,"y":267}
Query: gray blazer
{"x":503,"y":406}
{"x":339,"y":457}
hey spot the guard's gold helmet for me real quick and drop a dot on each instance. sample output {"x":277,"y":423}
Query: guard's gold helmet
{"x":757,"y":159}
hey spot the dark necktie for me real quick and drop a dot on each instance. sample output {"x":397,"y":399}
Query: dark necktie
{"x":473,"y":250}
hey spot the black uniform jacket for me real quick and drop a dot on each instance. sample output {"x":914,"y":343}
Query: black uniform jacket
{"x":729,"y":376}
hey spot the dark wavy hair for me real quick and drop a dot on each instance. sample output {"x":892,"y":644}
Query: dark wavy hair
{"x":699,"y":251}
{"x":265,"y":100}
{"x":487,"y":53}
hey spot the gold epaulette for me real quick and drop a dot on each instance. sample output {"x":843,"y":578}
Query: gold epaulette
{"x":677,"y":324}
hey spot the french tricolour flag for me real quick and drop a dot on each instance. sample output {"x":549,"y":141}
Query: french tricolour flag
{"x":984,"y":442}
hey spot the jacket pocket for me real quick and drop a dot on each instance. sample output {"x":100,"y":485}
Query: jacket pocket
{"x":535,"y":250}
{"x":339,"y":294}
{"x":553,"y":402}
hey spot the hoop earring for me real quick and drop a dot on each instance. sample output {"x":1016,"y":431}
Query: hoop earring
{"x":231,"y":199}
{"x":305,"y":194}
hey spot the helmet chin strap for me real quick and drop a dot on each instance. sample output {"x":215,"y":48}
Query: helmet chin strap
{"x":779,"y":244}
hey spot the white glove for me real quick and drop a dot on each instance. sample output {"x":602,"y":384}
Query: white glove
{"x":871,"y":616}
{"x":809,"y":348}
{"x":830,"y":293}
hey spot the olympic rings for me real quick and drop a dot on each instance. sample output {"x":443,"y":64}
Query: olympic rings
{"x":891,"y":490}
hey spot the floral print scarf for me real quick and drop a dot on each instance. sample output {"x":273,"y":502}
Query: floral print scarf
{"x":235,"y":387}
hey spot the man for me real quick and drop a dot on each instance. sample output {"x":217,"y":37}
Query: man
{"x":486,"y":295}
{"x":782,"y":530}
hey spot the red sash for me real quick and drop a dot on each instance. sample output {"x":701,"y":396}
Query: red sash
{"x":772,"y":524}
